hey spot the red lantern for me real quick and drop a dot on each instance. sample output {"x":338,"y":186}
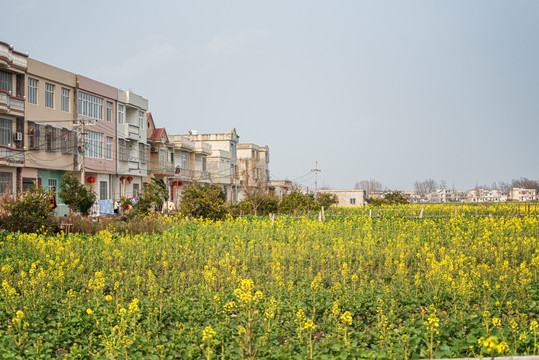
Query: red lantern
{"x":180,"y":184}
{"x":91,"y":180}
{"x":122,"y":179}
{"x":175,"y":183}
{"x":130,"y":178}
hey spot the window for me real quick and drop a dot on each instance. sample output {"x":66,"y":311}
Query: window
{"x":93,"y":146}
{"x":171,"y":156}
{"x":352,"y":201}
{"x":142,"y":153}
{"x":103,"y":187}
{"x":90,"y":106}
{"x":203,"y":164}
{"x":109,"y":111}
{"x":65,"y":99}
{"x":120,"y":114}
{"x":6,"y":80}
{"x":49,"y":95}
{"x":122,"y":150}
{"x":109,"y":148}
{"x":66,"y":141}
{"x":141,"y":119}
{"x":185,"y":161}
{"x":161,"y":156}
{"x":6,"y":131}
{"x":52,"y":185}
{"x":135,"y":189}
{"x":6,"y":184}
{"x":32,"y":91}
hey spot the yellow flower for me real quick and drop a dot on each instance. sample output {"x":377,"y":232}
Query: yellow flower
{"x":346,"y":318}
{"x":108,"y":298}
{"x":208,"y":333}
{"x":89,"y":311}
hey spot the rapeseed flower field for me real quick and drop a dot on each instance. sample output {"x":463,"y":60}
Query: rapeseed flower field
{"x":385,"y":286}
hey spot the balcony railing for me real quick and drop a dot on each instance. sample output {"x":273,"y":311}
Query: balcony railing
{"x":14,"y":58}
{"x":187,"y":173}
{"x":10,"y":104}
{"x":203,"y":147}
{"x":202,"y":175}
{"x":133,"y":130}
{"x":183,"y":143}
{"x":11,"y":156}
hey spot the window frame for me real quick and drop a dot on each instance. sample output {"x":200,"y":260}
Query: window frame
{"x":66,"y":95}
{"x":49,"y":95}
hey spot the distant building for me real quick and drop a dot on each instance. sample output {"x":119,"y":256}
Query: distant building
{"x":520,"y":194}
{"x":348,"y":197}
{"x":280,"y":188}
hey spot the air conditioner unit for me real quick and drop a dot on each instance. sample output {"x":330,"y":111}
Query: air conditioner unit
{"x":18,"y":136}
{"x":153,"y":149}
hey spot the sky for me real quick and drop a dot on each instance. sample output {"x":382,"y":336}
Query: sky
{"x":396,"y":91}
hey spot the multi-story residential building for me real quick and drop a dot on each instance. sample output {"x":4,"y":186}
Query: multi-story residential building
{"x":520,"y":194}
{"x":133,"y":150}
{"x":222,"y":161}
{"x":95,"y":107}
{"x":13,"y":66}
{"x":252,"y":169}
{"x":51,"y":129}
{"x":484,"y":195}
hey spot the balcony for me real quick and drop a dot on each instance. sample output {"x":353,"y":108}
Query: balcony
{"x":11,"y":156}
{"x":10,"y":104}
{"x":12,"y":60}
{"x":182,"y":143}
{"x":202,"y":175}
{"x":130,"y":131}
{"x":184,"y":173}
{"x":202,"y":148}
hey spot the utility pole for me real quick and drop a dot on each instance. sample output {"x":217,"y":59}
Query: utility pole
{"x":82,"y":151}
{"x":316,"y":171}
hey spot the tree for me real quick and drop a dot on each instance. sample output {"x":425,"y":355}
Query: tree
{"x":296,"y":201}
{"x":206,"y":201}
{"x":29,"y":213}
{"x":426,"y":186}
{"x":370,"y":186}
{"x":525,"y":183}
{"x":252,"y":185}
{"x":75,"y":195}
{"x":390,"y":198}
{"x":151,"y":196}
{"x":327,"y":199}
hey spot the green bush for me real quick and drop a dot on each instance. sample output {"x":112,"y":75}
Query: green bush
{"x":29,"y":213}
{"x":296,"y":201}
{"x":151,"y":196}
{"x":75,"y":195}
{"x":206,"y":201}
{"x":326,"y":200}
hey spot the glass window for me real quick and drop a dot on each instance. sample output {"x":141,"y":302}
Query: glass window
{"x":161,"y":157}
{"x":65,"y":99}
{"x":185,"y":161}
{"x":49,"y":96}
{"x":32,"y":91}
{"x":352,"y":201}
{"x":6,"y":183}
{"x":120,"y":114}
{"x":141,"y":119}
{"x":90,"y":106}
{"x":109,"y":148}
{"x":6,"y":131}
{"x":103,"y":187}
{"x":142,"y":153}
{"x":6,"y":80}
{"x":109,"y":111}
{"x":93,"y":146}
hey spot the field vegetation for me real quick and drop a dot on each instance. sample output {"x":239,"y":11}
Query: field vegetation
{"x":375,"y":283}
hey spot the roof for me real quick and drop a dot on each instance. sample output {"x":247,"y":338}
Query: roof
{"x":157,"y":134}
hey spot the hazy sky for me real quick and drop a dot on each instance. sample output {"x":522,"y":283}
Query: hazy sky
{"x":393,"y":90}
